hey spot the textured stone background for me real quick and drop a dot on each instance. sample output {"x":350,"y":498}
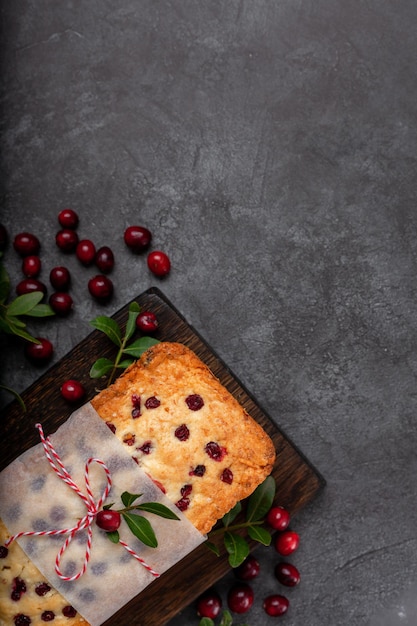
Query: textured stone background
{"x":271,"y":149}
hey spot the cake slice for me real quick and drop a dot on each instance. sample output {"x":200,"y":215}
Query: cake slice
{"x":187,"y":432}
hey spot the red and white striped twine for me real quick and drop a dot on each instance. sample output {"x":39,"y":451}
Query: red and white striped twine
{"x":85,"y":522}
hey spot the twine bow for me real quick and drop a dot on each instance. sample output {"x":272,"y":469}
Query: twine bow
{"x":85,"y":522}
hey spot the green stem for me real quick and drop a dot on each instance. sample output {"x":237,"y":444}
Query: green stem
{"x":117,"y":361}
{"x":219,"y":531}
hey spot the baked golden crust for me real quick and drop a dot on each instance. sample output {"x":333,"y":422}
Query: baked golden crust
{"x":16,"y":565}
{"x":147,"y":410}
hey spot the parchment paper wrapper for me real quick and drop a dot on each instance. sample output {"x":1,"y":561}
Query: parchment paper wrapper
{"x":33,"y":497}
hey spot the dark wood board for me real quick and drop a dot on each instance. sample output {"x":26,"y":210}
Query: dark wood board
{"x":298,"y":482}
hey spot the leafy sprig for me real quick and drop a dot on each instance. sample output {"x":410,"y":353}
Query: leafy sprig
{"x":11,"y":314}
{"x":226,"y":620}
{"x":258,"y":505}
{"x":127,"y":352}
{"x":139,"y":525}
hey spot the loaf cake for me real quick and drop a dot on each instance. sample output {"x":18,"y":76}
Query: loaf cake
{"x":185,"y":430}
{"x":191,"y":437}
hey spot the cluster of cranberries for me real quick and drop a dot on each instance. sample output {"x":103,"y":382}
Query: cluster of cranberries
{"x":100,"y":286}
{"x":240,"y":597}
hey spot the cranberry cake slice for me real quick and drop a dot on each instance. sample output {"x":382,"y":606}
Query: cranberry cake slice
{"x":187,"y":432}
{"x":26,"y":597}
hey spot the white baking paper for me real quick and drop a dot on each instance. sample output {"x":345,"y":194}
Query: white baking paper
{"x":33,"y":497}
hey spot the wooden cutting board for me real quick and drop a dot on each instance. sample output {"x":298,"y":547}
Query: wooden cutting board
{"x":298,"y":482}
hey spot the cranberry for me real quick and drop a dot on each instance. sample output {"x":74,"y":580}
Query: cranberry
{"x":186,"y":490}
{"x":194,"y":402}
{"x":3,"y":237}
{"x":183,"y":504}
{"x":215,"y":451}
{"x":18,"y":588}
{"x":104,"y":259}
{"x":3,"y":552}
{"x":287,"y":542}
{"x":129,"y":439}
{"x":287,"y":574}
{"x":199,"y":470}
{"x":159,"y":263}
{"x":249,"y":569}
{"x":60,"y":303}
{"x":240,"y":598}
{"x":182,"y":432}
{"x":31,"y":266}
{"x":146,"y":447}
{"x":42,"y":589}
{"x":147,"y":322}
{"x":85,"y":251}
{"x":69,"y":611}
{"x":66,"y":240}
{"x":136,"y":412}
{"x":21,"y":620}
{"x":137,"y":238}
{"x":26,"y":244}
{"x":60,"y":278}
{"x":111,"y":426}
{"x":48,"y":616}
{"x":152,"y":402}
{"x":68,"y":219}
{"x":108,"y":520}
{"x":278,"y":518}
{"x":276,"y":605}
{"x":29,"y":285}
{"x":100,"y":287}
{"x":72,"y":391}
{"x":41,"y":352}
{"x":227,"y":476}
{"x":209,"y":605}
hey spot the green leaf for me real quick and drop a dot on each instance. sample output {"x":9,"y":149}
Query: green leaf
{"x":101,"y":367}
{"x":16,"y":395}
{"x":257,"y":533}
{"x":261,"y":500}
{"x":134,"y":310}
{"x":129,"y":498}
{"x":157,"y":509}
{"x":16,"y":329}
{"x":237,"y":547}
{"x":125,"y":363}
{"x":212,"y":546}
{"x":139,"y":346}
{"x":227,"y":619}
{"x":109,"y":327}
{"x":25,"y":303}
{"x":4,"y":284}
{"x":232,"y":514}
{"x":141,"y":528}
{"x":41,"y":310}
{"x":114,"y":536}
{"x":15,"y":321}
{"x":106,"y":507}
{"x":206,"y":621}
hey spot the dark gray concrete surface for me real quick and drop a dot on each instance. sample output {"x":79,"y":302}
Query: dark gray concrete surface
{"x":270,"y":146}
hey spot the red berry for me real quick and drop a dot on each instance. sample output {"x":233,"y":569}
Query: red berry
{"x":40,"y":352}
{"x":66,"y":240}
{"x":215,"y":452}
{"x":137,"y":238}
{"x":85,"y":251}
{"x":104,"y":259}
{"x":72,"y":390}
{"x":29,"y":285}
{"x":68,"y":219}
{"x":287,"y":574}
{"x":159,"y":263}
{"x":249,"y":569}
{"x":3,"y":237}
{"x":287,"y":542}
{"x":100,"y":287}
{"x":278,"y":518}
{"x":69,"y":611}
{"x":147,"y":322}
{"x":108,"y":520}
{"x":209,"y":605}
{"x":60,"y":303}
{"x":60,"y":278}
{"x":240,"y":598}
{"x":26,"y":244}
{"x":31,"y":266}
{"x":276,"y":605}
